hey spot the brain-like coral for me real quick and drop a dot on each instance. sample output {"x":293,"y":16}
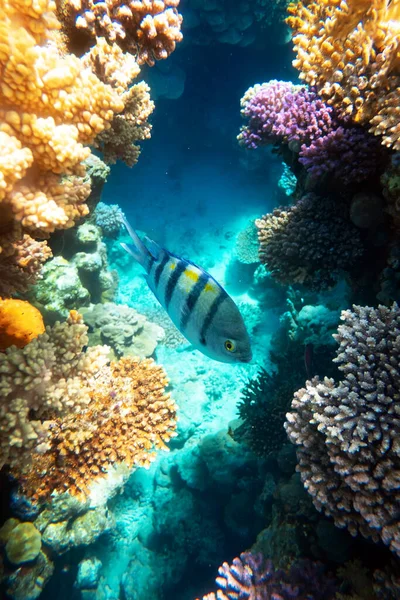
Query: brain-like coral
{"x":347,"y":433}
{"x":122,"y":328}
{"x":349,"y":49}
{"x":253,"y":577}
{"x":310,"y":242}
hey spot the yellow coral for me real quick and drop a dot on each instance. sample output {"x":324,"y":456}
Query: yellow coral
{"x":350,"y":50}
{"x":52,"y":106}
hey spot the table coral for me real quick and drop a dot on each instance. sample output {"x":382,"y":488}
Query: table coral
{"x":252,"y":576}
{"x":20,"y":322}
{"x":148,"y":29}
{"x":310,"y":242}
{"x":349,"y":50}
{"x":347,"y":433}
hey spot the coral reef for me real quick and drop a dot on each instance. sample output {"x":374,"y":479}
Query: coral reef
{"x":77,"y":279}
{"x":280,"y":112}
{"x":21,"y":262}
{"x":55,"y":357}
{"x":253,"y":576}
{"x":262,"y":407}
{"x":346,"y":433}
{"x":148,"y":29}
{"x":310,"y":242}
{"x":122,"y":328}
{"x":349,"y":51}
{"x":246,"y":247}
{"x":109,"y":218}
{"x":20,"y":322}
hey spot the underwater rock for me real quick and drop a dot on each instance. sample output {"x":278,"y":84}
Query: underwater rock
{"x":246,"y":247}
{"x":122,"y":328}
{"x":80,"y":531}
{"x":76,"y":279}
{"x":23,"y":542}
{"x":96,"y":172}
{"x":88,"y":575}
{"x":27,"y":583}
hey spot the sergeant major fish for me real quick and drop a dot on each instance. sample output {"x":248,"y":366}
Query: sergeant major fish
{"x":197,"y":305}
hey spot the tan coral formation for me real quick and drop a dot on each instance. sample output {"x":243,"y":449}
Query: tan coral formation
{"x":349,"y":50}
{"x":148,"y":29}
{"x":67,"y":416}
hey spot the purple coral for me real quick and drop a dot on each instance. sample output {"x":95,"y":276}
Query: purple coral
{"x":280,"y":111}
{"x":350,"y":155}
{"x":348,"y":433}
{"x":284,"y":113}
{"x":253,"y":577}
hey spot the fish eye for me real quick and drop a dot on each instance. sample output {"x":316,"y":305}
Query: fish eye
{"x":230,"y":346}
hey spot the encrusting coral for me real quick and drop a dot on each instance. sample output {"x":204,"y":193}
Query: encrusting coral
{"x":149,"y":29}
{"x":349,"y":50}
{"x":67,"y":415}
{"x":121,"y":327}
{"x":347,"y":433}
{"x":310,"y":242}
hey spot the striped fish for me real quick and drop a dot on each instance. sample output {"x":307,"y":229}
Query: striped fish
{"x":197,"y":305}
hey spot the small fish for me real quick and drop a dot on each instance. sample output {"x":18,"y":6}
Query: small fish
{"x":198,"y":306}
{"x":309,"y":359}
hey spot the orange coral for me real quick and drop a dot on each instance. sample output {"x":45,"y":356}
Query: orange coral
{"x":20,"y":322}
{"x":128,"y":417}
{"x":148,"y":29}
{"x":350,"y":50}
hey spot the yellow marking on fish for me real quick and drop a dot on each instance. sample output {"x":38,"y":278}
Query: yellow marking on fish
{"x":193,"y":275}
{"x":172,"y":266}
{"x":209,"y":287}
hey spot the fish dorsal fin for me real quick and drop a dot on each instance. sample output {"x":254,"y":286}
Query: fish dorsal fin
{"x":155,"y":250}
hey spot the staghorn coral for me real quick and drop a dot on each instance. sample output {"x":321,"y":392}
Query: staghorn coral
{"x":349,"y":50}
{"x":121,"y":327}
{"x":252,"y":576}
{"x":148,"y":29}
{"x":347,"y":433}
{"x":310,"y":242}
{"x":49,"y":376}
{"x":20,"y":323}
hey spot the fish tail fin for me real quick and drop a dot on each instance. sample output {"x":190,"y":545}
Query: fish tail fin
{"x":137,"y":250}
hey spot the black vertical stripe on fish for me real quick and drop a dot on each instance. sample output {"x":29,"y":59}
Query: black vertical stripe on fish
{"x":150,"y":262}
{"x":173,"y":280}
{"x":212,"y":311}
{"x":160,"y":268}
{"x":191,"y":300}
